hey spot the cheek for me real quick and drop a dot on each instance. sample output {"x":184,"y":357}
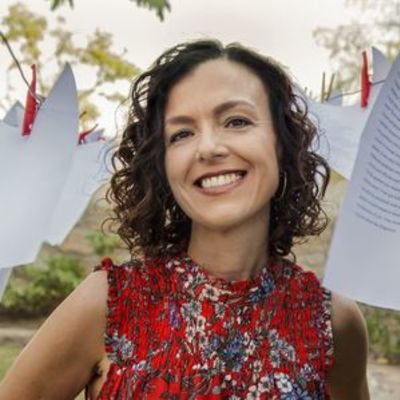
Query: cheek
{"x":266,"y":161}
{"x":173,"y":158}
{"x":264,"y":152}
{"x":175,"y":165}
{"x":169,"y":170}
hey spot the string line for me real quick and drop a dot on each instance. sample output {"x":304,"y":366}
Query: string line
{"x":17,"y":63}
{"x":5,"y":41}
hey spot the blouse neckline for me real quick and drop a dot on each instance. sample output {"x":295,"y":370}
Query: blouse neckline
{"x":200,"y":283}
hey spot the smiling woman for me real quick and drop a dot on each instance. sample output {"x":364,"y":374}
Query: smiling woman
{"x":261,"y":95}
{"x":217,"y":180}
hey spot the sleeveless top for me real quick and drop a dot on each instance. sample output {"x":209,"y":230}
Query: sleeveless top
{"x":176,"y":332}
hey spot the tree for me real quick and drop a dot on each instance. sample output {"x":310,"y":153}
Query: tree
{"x":159,"y":6}
{"x":378,"y":24}
{"x":26,"y":32}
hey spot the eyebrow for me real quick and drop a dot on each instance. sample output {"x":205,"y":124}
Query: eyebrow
{"x":218,"y":110}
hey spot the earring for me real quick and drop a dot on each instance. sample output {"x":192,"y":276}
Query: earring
{"x":282,"y":185}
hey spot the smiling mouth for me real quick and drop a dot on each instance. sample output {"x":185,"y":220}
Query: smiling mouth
{"x":222,"y":188}
{"x":220,"y":181}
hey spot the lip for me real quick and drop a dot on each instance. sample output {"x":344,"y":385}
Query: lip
{"x":216,"y":191}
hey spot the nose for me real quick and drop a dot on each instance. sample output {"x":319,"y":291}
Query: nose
{"x":210,"y":146}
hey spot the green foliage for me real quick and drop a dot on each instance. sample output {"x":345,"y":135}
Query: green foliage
{"x":103,"y":245}
{"x":37,"y":289}
{"x":57,"y":3}
{"x":113,"y":66}
{"x":159,"y":6}
{"x":26,"y":29}
{"x":26,"y":32}
{"x":384,"y":333}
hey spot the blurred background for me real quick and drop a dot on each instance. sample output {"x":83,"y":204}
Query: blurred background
{"x":108,"y":43}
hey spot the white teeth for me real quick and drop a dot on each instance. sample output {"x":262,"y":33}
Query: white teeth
{"x":219,"y":180}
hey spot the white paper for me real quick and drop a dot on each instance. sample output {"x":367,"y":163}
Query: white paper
{"x":94,"y":136}
{"x":10,"y":141}
{"x":15,"y":116}
{"x":48,"y":179}
{"x":341,"y":126}
{"x":381,"y":66}
{"x":336,"y":98}
{"x":33,"y":171}
{"x":90,"y":170}
{"x":364,"y":261}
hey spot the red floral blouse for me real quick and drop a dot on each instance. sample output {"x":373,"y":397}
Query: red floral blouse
{"x":176,"y":332}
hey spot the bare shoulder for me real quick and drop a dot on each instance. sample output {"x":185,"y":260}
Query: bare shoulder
{"x":347,"y":317}
{"x":348,"y":375}
{"x":66,"y":348}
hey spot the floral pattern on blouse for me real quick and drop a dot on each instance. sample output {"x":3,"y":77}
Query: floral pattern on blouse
{"x":176,"y":332}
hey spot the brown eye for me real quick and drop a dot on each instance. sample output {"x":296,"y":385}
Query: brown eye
{"x":238,"y":123}
{"x":179,"y":135}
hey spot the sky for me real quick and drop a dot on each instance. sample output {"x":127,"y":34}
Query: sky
{"x":278,"y":28}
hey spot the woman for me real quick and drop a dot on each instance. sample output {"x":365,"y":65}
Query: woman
{"x":217,"y":181}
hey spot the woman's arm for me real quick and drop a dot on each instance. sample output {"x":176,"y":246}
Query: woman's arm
{"x":60,"y":359}
{"x":348,"y":377}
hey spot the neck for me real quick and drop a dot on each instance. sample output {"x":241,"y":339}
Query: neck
{"x":232,"y":254}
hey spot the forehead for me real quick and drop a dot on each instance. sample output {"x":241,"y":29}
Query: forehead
{"x":214,"y":82}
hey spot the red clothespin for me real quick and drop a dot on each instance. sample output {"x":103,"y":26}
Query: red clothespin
{"x":31,"y":105}
{"x":365,"y":82}
{"x":82,"y":135}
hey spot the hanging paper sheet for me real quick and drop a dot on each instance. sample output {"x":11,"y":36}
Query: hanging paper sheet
{"x":341,"y":126}
{"x":47,"y":178}
{"x":364,"y":262}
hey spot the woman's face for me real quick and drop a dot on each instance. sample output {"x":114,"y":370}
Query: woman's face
{"x":221,"y":149}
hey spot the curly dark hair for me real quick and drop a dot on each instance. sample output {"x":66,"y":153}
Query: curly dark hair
{"x":148,"y":218}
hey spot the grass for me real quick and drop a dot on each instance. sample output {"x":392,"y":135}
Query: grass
{"x":8,"y":353}
{"x":384,"y":334}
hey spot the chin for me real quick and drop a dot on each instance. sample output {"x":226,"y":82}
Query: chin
{"x":220,"y":222}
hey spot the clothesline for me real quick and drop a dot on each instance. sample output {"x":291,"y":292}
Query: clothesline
{"x":17,"y":63}
{"x":38,"y":99}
